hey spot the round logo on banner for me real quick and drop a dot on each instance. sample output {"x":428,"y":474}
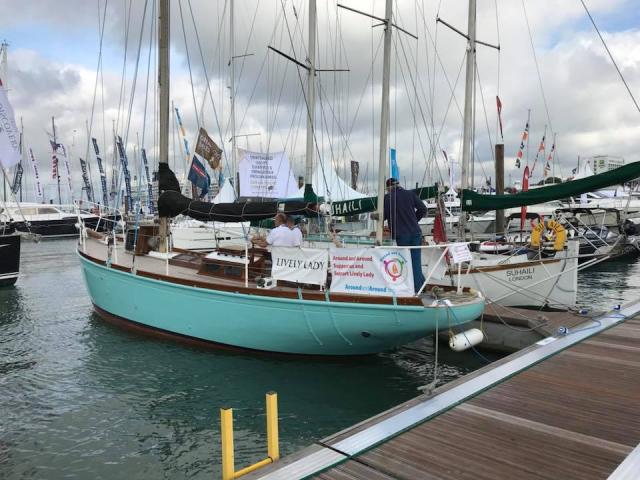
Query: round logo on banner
{"x":394,"y":265}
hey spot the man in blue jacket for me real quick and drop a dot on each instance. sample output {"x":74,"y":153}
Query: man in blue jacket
{"x":402,"y":211}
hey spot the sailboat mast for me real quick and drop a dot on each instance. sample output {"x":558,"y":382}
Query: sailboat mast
{"x":163,"y":94}
{"x":21,"y":150}
{"x":55,"y":152}
{"x":234,"y":170}
{"x":468,"y":111}
{"x":384,"y":119}
{"x":4,"y":82}
{"x":311,"y":97}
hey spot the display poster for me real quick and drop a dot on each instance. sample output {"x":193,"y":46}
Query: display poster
{"x":265,"y":175}
{"x":372,"y":271}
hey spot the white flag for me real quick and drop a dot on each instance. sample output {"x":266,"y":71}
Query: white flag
{"x":9,"y":134}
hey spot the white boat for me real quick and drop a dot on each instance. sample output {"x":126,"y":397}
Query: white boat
{"x":517,"y":281}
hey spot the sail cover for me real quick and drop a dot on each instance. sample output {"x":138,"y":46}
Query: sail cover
{"x":370,"y":204}
{"x":473,"y":201}
{"x":172,"y":203}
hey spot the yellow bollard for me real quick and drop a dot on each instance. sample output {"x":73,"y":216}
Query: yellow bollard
{"x":226,"y":427}
{"x":273,"y":447}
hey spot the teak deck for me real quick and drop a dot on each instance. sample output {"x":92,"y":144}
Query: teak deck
{"x":572,"y":415}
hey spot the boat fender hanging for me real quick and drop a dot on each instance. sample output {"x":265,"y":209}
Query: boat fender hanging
{"x":464,"y":340}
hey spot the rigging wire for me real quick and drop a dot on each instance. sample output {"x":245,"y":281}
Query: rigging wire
{"x":535,"y":59}
{"x":121,"y":98}
{"x":244,"y":60}
{"x":186,"y":48}
{"x":146,"y":89}
{"x":486,"y":120}
{"x":98,"y":69}
{"x":208,"y":88}
{"x":610,"y":55}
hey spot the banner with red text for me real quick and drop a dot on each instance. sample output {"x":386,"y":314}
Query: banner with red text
{"x":372,"y":271}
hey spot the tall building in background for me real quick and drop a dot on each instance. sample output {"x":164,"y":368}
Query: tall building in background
{"x":604,"y":163}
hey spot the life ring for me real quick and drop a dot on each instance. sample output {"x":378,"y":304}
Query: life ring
{"x":558,"y":232}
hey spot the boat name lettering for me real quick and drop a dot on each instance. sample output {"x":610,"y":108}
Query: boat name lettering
{"x":520,"y":274}
{"x":300,"y":264}
{"x":344,"y":208}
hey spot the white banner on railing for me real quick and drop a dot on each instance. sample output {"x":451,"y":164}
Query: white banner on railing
{"x":302,"y":265}
{"x":266,"y":175}
{"x":460,"y":252}
{"x":372,"y":271}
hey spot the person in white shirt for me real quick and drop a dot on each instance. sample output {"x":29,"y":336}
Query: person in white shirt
{"x":295,"y":229}
{"x":280,"y":236}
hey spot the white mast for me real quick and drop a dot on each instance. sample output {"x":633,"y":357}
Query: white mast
{"x":234,"y":169}
{"x":384,"y":119}
{"x":163,"y":94}
{"x":468,"y":111}
{"x":4,"y":71}
{"x":311,"y":98}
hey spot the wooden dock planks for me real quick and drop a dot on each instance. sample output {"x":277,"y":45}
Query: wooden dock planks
{"x":573,"y":416}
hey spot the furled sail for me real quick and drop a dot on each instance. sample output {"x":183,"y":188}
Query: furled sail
{"x":172,"y":203}
{"x":472,"y":201}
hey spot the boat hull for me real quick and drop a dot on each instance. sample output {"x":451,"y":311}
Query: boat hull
{"x":271,"y":324}
{"x":9,"y":259}
{"x":64,"y":227}
{"x":547,"y":283}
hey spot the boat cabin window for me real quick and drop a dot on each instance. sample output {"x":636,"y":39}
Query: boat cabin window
{"x":47,"y":211}
{"x":25,"y":211}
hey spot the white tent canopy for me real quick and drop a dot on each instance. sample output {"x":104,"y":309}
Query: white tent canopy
{"x":226,"y":193}
{"x":326,"y":183}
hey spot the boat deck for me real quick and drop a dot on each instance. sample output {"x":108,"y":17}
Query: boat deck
{"x":566,"y":407}
{"x":158,"y":268}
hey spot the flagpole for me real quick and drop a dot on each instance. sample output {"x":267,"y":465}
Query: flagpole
{"x":55,"y":153}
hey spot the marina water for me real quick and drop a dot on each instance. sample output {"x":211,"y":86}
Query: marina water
{"x":80,"y":398}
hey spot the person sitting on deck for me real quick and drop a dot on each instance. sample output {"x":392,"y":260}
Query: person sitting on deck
{"x":402,"y":211}
{"x":280,"y":236}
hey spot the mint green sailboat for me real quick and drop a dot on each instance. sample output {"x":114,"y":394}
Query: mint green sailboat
{"x":222,"y":298}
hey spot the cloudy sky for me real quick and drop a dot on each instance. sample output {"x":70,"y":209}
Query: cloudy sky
{"x":54,"y":48}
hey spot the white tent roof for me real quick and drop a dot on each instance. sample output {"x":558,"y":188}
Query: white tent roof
{"x":328,"y":184}
{"x":585,"y":171}
{"x":226,"y":193}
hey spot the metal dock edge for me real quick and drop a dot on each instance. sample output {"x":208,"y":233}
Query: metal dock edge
{"x":363,"y":437}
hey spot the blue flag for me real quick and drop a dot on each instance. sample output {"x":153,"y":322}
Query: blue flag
{"x":395,"y":173}
{"x":199,"y":176}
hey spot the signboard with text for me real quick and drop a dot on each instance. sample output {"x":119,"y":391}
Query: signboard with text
{"x":265,"y":175}
{"x":372,"y":271}
{"x":301,"y":265}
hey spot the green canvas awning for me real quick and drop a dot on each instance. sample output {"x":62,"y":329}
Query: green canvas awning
{"x":472,"y":201}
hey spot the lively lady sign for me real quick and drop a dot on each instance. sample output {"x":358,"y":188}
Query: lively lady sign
{"x":301,"y":265}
